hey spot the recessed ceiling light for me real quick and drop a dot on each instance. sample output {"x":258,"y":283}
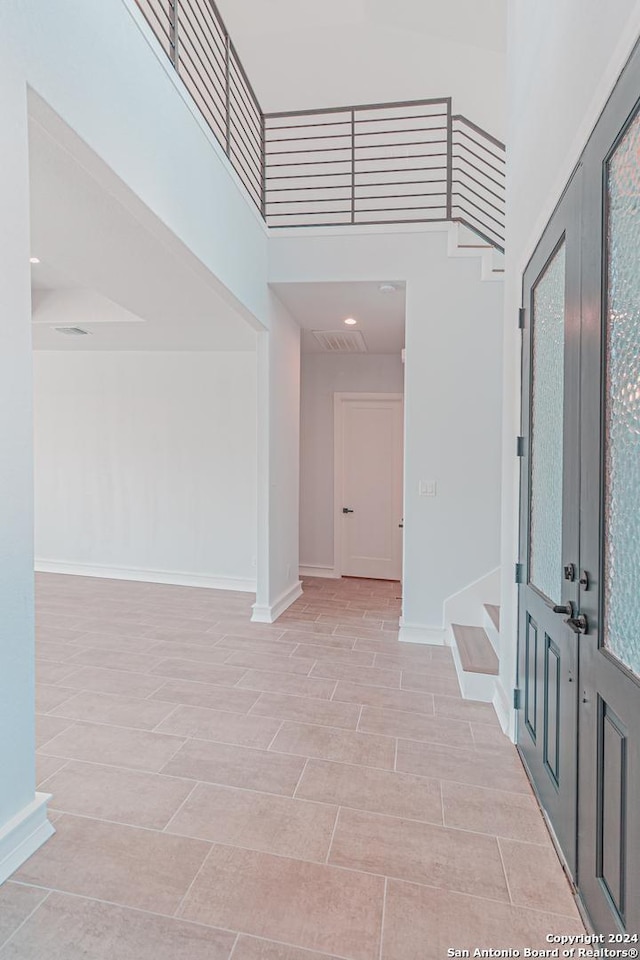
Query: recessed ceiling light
{"x":34,"y":259}
{"x":350,"y":322}
{"x":387,"y":288}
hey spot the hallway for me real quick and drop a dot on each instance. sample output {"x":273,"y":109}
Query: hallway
{"x":223,"y":787}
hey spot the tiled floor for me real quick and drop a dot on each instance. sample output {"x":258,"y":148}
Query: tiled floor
{"x":221,"y":787}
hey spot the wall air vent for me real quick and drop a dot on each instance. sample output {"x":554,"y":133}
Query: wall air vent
{"x":341,"y":341}
{"x":72,"y":331}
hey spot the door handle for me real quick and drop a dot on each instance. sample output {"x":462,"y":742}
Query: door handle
{"x":578,"y":624}
{"x":347,"y":510}
{"x":563,"y":608}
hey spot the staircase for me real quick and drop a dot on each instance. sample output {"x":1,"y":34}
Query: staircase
{"x":462,"y":242}
{"x":475,"y":654}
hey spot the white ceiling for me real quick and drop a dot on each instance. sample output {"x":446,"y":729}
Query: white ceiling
{"x":302,"y":54}
{"x":325,"y":306}
{"x":103,"y":270}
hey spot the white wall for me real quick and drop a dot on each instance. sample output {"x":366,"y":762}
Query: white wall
{"x":378,"y":52}
{"x":278,"y":463}
{"x":146,"y":464}
{"x":564,"y":59}
{"x":141,"y":123}
{"x":322,"y":375}
{"x":17,"y":774}
{"x":452,"y":400}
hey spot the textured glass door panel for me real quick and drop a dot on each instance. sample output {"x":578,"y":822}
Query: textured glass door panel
{"x":622,"y":437}
{"x":547,"y":409}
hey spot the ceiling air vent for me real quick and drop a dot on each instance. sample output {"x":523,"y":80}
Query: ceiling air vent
{"x":341,"y":341}
{"x":72,"y":331}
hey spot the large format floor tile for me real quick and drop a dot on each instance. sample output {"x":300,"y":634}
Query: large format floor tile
{"x":422,"y":923}
{"x":235,"y":766}
{"x":111,"y":793}
{"x":307,"y":905}
{"x":423,"y":852}
{"x":258,"y":821}
{"x":204,"y":724}
{"x":312,"y":789}
{"x":254,"y":948}
{"x":119,"y":746}
{"x":16,"y":904}
{"x":73,"y":928}
{"x":329,"y":743}
{"x":366,"y":788}
{"x":497,"y":812}
{"x":126,"y":865}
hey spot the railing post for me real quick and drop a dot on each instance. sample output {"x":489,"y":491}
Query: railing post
{"x":353,"y":166}
{"x":173,"y":33}
{"x":449,"y":161}
{"x":227,"y":90}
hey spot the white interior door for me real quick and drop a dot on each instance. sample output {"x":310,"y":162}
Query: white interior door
{"x":369,"y":463}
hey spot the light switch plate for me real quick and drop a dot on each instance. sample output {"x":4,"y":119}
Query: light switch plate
{"x":427,"y":488}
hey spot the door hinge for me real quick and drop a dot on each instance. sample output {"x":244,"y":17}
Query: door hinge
{"x":519,"y":446}
{"x":518,"y":573}
{"x":521,"y":318}
{"x":516,"y":698}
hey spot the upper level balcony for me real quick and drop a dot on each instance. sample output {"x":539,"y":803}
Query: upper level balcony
{"x":410,"y":162}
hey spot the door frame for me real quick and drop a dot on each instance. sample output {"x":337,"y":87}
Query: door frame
{"x":339,"y":400}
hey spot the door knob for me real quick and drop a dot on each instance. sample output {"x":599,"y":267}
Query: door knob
{"x":564,"y":608}
{"x":347,"y":510}
{"x":578,"y":624}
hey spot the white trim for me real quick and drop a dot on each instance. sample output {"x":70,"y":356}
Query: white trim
{"x":361,"y":229}
{"x":339,"y":398}
{"x":177,"y":578}
{"x":321,"y":570}
{"x":420,"y":633}
{"x":504,"y":709}
{"x":263,"y":613}
{"x":24,"y":834}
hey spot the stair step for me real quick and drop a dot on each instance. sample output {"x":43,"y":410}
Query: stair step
{"x":475,"y":650}
{"x":494,"y":612}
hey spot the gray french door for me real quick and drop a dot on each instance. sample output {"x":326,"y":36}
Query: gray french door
{"x":609,"y":723}
{"x":548,"y":644}
{"x":579,"y":630}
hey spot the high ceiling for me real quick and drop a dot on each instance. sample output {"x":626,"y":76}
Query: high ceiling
{"x":301,"y":54}
{"x":102,"y":270}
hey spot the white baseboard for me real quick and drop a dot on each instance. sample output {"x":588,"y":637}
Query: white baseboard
{"x":177,"y":578}
{"x":23,"y":834}
{"x":264,"y":613}
{"x":419,"y":633}
{"x":504,"y":709}
{"x":321,"y":570}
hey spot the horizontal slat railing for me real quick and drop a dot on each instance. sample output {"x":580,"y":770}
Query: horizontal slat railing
{"x":412,"y":162}
{"x":365,"y":164}
{"x":194,"y":37}
{"x":478,"y":180}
